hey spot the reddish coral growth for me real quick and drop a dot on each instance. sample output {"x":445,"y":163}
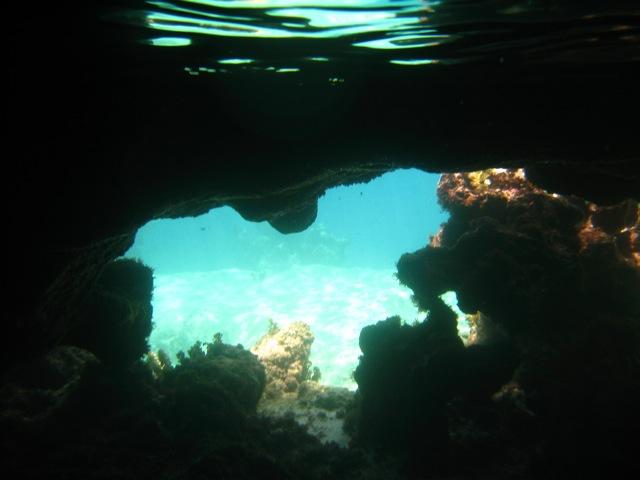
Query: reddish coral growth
{"x":522,"y":255}
{"x":472,"y":188}
{"x":618,"y":224}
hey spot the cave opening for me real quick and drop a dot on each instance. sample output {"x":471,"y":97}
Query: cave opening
{"x":218,"y":273}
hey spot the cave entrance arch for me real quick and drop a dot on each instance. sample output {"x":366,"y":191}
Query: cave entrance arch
{"x":220,"y":273}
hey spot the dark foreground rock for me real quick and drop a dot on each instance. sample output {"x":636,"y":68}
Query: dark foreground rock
{"x":559,"y":277}
{"x":70,"y":417}
{"x":407,"y":377}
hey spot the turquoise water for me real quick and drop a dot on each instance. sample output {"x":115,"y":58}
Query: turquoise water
{"x":220,"y":273}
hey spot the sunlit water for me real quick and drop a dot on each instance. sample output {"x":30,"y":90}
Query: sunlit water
{"x":336,"y":302}
{"x":219,"y":273}
{"x":288,"y":36}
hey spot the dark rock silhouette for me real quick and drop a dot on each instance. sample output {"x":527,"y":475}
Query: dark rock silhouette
{"x":547,"y":272}
{"x":114,"y":321}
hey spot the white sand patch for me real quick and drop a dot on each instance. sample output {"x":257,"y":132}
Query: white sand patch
{"x":336,"y":302}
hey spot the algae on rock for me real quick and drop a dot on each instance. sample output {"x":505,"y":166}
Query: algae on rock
{"x":285,"y":352}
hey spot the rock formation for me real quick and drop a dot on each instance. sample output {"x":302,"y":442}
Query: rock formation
{"x":557,"y":276}
{"x":293,"y":390}
{"x":285,"y":352}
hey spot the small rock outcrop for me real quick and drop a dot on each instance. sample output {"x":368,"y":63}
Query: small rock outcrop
{"x":293,"y":391}
{"x":285,"y":352}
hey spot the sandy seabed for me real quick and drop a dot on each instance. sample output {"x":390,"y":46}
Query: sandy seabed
{"x":336,"y":302}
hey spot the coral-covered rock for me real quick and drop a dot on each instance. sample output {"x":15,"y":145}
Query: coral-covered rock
{"x":285,"y":352}
{"x":519,"y":254}
{"x":619,"y":224}
{"x":292,"y":390}
{"x":212,"y":390}
{"x":560,"y":277}
{"x":115,"y":321}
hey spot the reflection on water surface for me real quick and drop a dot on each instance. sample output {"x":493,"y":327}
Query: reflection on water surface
{"x":294,"y":34}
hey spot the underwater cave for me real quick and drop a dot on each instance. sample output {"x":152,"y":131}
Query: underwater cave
{"x":224,"y":258}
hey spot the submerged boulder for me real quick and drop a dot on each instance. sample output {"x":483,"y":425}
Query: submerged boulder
{"x":212,"y":390}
